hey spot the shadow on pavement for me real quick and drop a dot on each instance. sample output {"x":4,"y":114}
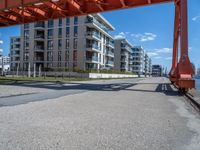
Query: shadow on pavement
{"x":161,"y":88}
{"x":77,"y":86}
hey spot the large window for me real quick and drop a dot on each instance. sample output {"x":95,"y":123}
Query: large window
{"x":59,"y":56}
{"x":67,"y":21}
{"x":50,"y":24}
{"x":60,"y":22}
{"x":67,"y":31}
{"x":26,"y":26}
{"x":49,"y":56}
{"x":66,"y":55}
{"x":75,"y":30}
{"x":75,"y":59}
{"x":67,"y":43}
{"x":50,"y":33}
{"x":60,"y":32}
{"x":76,"y":20}
{"x":59,"y":44}
{"x":75,"y":43}
{"x":50,"y":45}
{"x":26,"y":34}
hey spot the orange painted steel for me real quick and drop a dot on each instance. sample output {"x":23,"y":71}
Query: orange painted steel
{"x":13,"y":12}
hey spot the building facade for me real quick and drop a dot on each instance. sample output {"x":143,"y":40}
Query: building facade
{"x":123,"y":55}
{"x":156,"y":70}
{"x":147,"y":65}
{"x":73,"y":43}
{"x":138,"y":60}
{"x":15,"y":48}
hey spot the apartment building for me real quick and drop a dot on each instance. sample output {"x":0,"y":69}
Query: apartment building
{"x":5,"y":63}
{"x":138,"y":60}
{"x":72,"y":43}
{"x":15,"y":45}
{"x":147,"y":64}
{"x":157,"y":70}
{"x":123,"y":55}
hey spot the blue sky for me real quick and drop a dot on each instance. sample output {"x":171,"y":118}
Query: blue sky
{"x":151,"y":27}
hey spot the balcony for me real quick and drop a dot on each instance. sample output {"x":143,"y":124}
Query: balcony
{"x":39,"y":37}
{"x":93,"y":35}
{"x":97,"y":23}
{"x":39,"y":48}
{"x":94,"y":47}
{"x":110,"y":63}
{"x":110,"y":44}
{"x":109,"y":53}
{"x":39,"y":25}
{"x":38,"y":59}
{"x":124,"y":67}
{"x":93,"y":59}
{"x":124,"y":60}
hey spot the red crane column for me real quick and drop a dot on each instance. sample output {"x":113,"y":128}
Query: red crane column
{"x":173,"y":74}
{"x":184,"y":68}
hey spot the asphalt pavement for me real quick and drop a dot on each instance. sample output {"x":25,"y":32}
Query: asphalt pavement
{"x":125,"y":114}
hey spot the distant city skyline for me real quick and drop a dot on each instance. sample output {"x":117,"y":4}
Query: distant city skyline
{"x":151,"y":27}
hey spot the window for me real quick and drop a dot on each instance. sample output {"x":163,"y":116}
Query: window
{"x":26,"y":26}
{"x":50,"y":23}
{"x":26,"y":34}
{"x":50,"y":33}
{"x":59,"y":56}
{"x":75,"y":59}
{"x":60,"y":32}
{"x":59,"y":44}
{"x":50,"y":45}
{"x":60,"y":22}
{"x":66,"y":55}
{"x":49,"y":56}
{"x":76,"y":31}
{"x":75,"y":43}
{"x":67,"y":31}
{"x":67,"y":43}
{"x":75,"y":20}
{"x":67,"y":21}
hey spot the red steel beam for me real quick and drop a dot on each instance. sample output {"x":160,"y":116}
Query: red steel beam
{"x":35,"y":10}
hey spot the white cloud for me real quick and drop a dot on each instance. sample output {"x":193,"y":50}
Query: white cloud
{"x":1,"y":41}
{"x":152,"y":54}
{"x":145,"y":37}
{"x":164,"y":50}
{"x":120,"y":35}
{"x":196,"y":18}
{"x":158,"y":57}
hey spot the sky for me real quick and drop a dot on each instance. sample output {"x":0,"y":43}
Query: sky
{"x":150,"y":26}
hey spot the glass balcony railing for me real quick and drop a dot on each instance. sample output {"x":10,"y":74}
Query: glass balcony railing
{"x":93,"y":58}
{"x":95,"y":34}
{"x":110,"y":63}
{"x":94,"y":46}
{"x":110,"y":53}
{"x":39,"y":36}
{"x":39,"y":48}
{"x":39,"y":59}
{"x":110,"y":44}
{"x":93,"y":20}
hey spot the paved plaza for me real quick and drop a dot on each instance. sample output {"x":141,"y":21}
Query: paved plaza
{"x":122,"y":114}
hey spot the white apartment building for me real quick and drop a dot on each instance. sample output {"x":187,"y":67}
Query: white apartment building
{"x":71,"y":43}
{"x":15,"y":43}
{"x":123,"y":55}
{"x":138,"y":60}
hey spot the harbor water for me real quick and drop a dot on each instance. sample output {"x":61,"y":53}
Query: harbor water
{"x":197,"y":83}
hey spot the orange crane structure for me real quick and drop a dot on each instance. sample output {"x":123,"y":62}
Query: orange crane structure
{"x":13,"y":12}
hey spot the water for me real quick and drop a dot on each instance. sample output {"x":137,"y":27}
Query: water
{"x":197,"y":83}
